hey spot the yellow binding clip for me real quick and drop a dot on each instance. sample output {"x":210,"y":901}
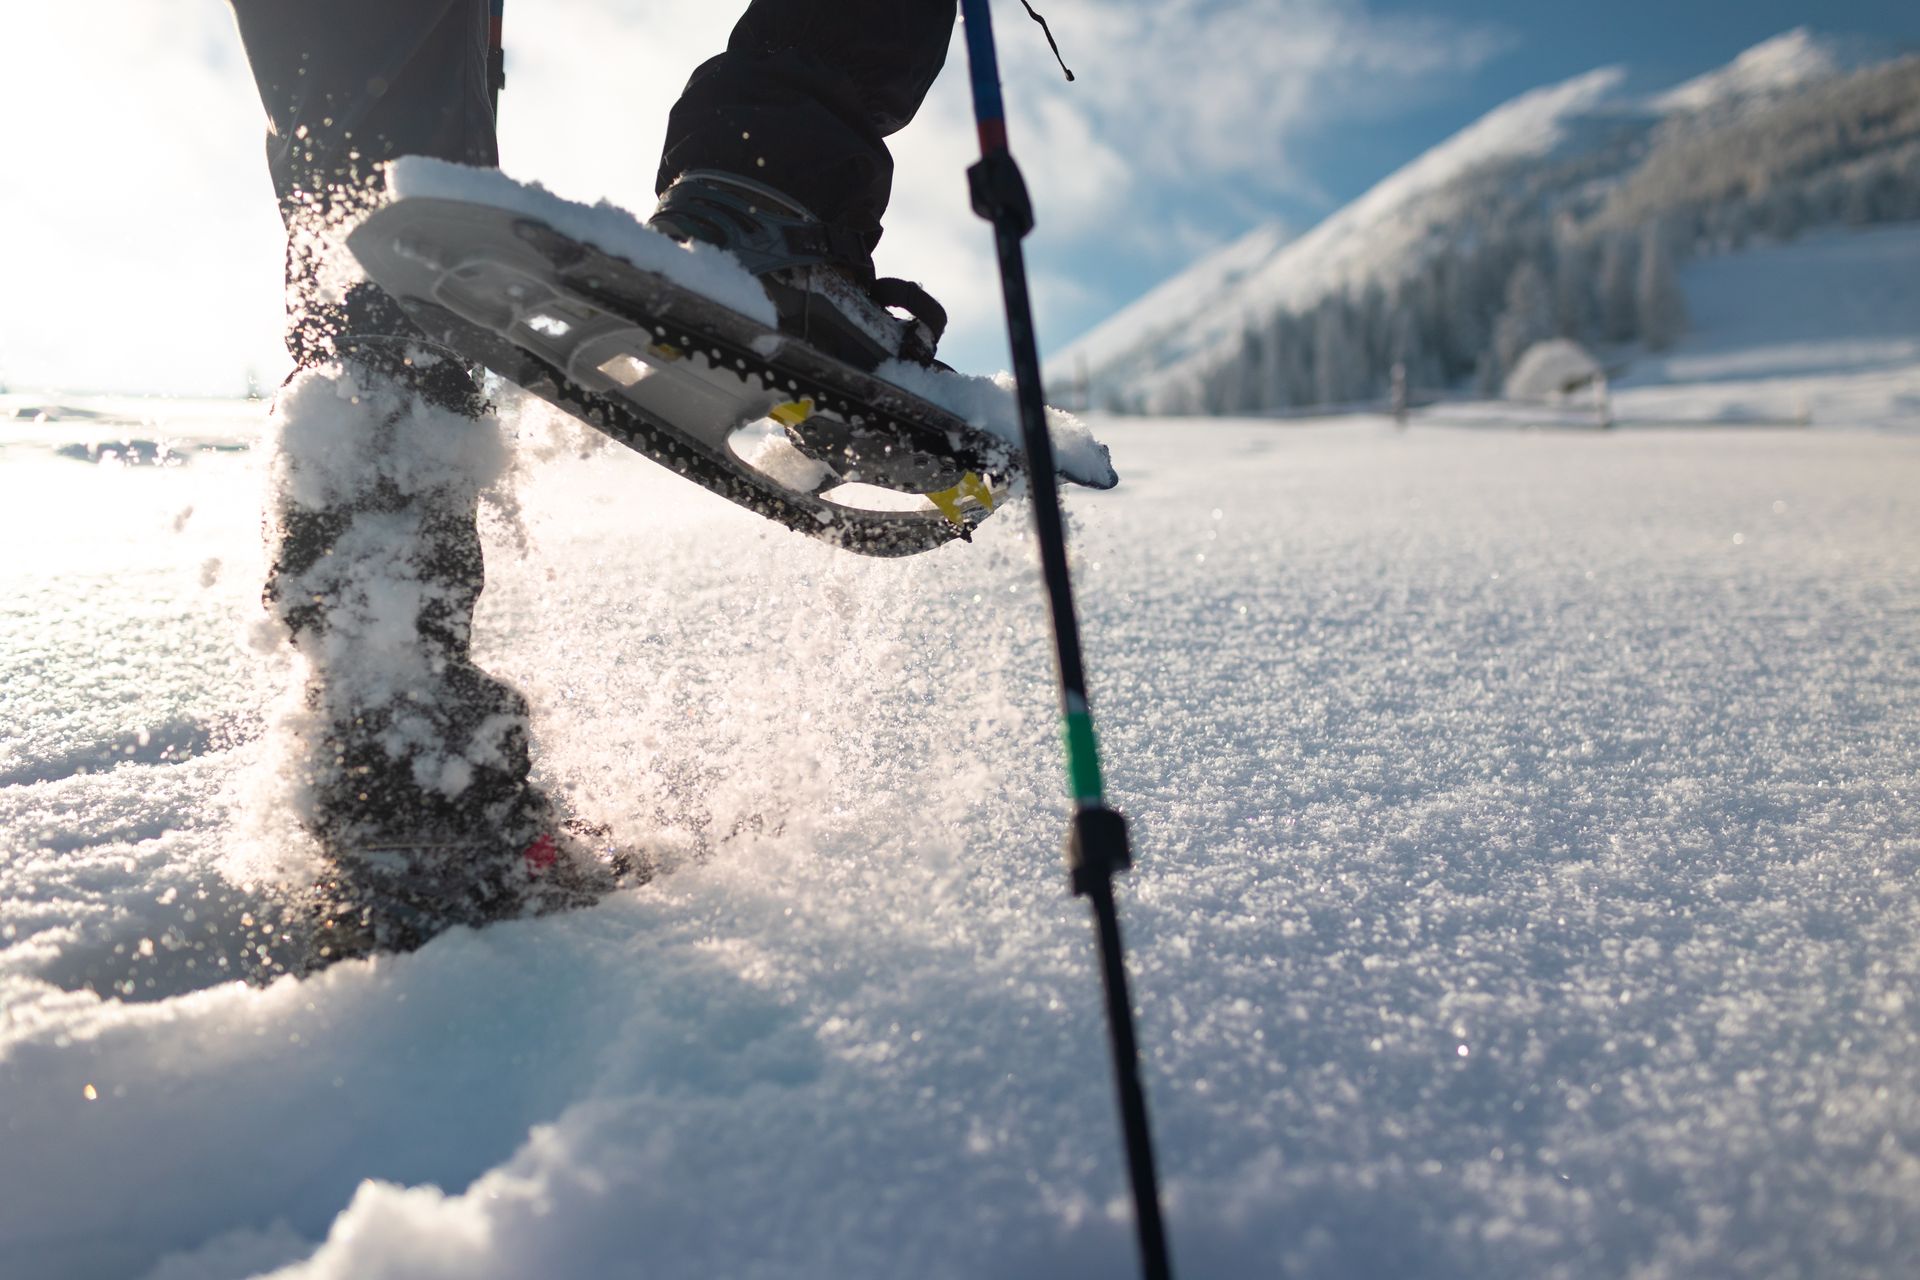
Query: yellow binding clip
{"x":971,"y":486}
{"x":792,"y":413}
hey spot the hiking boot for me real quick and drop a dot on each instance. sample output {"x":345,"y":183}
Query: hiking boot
{"x":397,"y":895}
{"x":819,"y":277}
{"x":409,"y":764}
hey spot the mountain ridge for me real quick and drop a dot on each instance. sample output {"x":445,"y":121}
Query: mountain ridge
{"x":1546,"y":156}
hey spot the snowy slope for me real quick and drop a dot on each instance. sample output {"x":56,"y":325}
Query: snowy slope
{"x":1156,"y":322}
{"x":1403,"y":216}
{"x":1825,"y":330}
{"x":1839,"y":302}
{"x":1527,"y":884}
{"x":1151,"y":350}
{"x":1822,"y":332}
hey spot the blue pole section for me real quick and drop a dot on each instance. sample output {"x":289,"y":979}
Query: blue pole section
{"x":989,"y":110}
{"x":1097,"y":844}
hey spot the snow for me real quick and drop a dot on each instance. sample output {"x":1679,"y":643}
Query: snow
{"x":1527,"y":853}
{"x":703,"y":268}
{"x":1551,"y":368}
{"x":387,"y":465}
{"x":1159,"y":315}
{"x":1840,"y":302}
{"x":989,"y":403}
{"x":1822,"y":332}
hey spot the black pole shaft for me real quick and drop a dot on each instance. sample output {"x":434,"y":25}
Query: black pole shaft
{"x":1097,"y":844}
{"x":1044,"y":484}
{"x":1099,"y":839}
{"x":1151,"y":1231}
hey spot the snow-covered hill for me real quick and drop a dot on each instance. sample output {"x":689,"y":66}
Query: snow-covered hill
{"x":1834,"y":303}
{"x":1406,"y":215}
{"x":1444,"y":235}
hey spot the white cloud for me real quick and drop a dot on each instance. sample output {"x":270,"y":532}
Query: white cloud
{"x":141,"y":245}
{"x":1210,"y":91}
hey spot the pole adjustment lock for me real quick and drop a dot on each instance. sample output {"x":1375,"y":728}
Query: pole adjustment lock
{"x":1097,"y":847}
{"x":1000,"y":193}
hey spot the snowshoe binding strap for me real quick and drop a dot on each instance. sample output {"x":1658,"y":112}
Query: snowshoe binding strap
{"x":909,"y":297}
{"x":781,"y":242}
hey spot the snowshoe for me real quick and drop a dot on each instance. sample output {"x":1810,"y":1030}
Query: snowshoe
{"x":678,"y":351}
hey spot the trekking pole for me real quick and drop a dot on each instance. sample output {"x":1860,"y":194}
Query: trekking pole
{"x":1097,"y":842}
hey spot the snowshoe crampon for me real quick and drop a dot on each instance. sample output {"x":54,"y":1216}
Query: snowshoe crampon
{"x":725,"y":399}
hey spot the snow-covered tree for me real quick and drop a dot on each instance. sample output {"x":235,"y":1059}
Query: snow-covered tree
{"x":1527,"y":318}
{"x":1573,"y":291}
{"x":1662,"y":309}
{"x":1614,"y":289}
{"x":1335,"y":354}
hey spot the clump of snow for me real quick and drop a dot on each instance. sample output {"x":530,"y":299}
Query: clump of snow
{"x":991,"y":405}
{"x":339,"y":431}
{"x":764,"y":446}
{"x":703,"y":268}
{"x":1556,"y":367}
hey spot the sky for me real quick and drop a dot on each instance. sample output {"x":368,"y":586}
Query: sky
{"x":141,"y":252}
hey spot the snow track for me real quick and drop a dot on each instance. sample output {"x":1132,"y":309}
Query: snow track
{"x":1528,"y":845}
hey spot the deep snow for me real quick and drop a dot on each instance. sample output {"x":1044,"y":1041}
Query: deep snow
{"x":1527,"y":840}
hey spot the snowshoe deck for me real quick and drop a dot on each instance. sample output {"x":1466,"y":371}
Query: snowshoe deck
{"x":725,"y":400}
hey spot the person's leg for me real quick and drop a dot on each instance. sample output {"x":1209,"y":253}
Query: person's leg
{"x":804,"y":97}
{"x":348,"y":85}
{"x":384,"y":442}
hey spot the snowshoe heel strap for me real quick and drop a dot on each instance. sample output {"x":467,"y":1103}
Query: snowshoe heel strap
{"x":915,"y":301}
{"x":920,"y":339}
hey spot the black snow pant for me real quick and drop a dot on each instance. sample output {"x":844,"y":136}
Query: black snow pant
{"x":802,"y":100}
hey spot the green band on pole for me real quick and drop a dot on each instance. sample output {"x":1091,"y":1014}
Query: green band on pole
{"x":1083,"y":758}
